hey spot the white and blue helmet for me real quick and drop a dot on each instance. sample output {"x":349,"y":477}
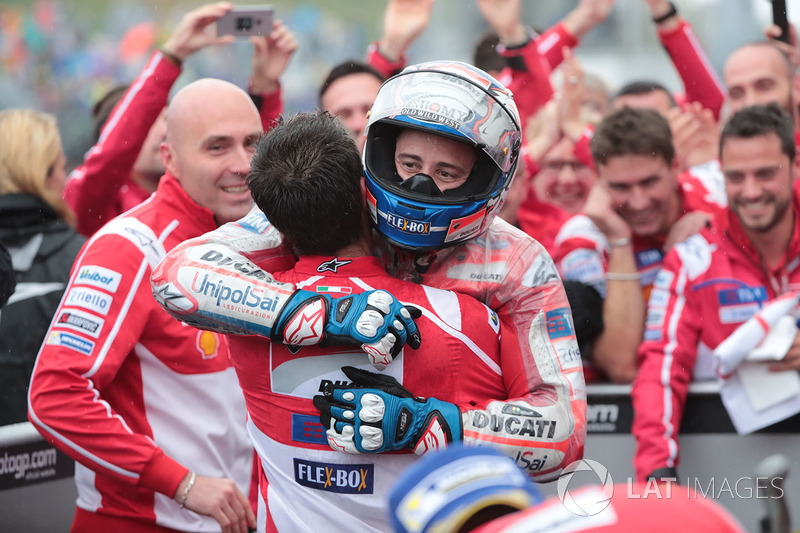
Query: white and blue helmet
{"x":458,"y":101}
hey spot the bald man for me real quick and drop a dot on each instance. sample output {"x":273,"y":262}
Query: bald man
{"x":149,"y":407}
{"x":759,"y":73}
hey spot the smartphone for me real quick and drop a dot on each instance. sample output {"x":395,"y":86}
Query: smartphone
{"x":244,"y":21}
{"x":781,"y":19}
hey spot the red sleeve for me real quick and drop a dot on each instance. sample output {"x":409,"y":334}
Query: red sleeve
{"x":699,"y":79}
{"x":531,"y":87}
{"x":540,"y":220}
{"x":541,"y":368}
{"x":531,"y":165}
{"x":583,"y":149}
{"x":107,"y":165}
{"x":271,"y":108}
{"x":75,"y":367}
{"x":666,"y":360}
{"x":550,"y":43}
{"x":382,"y":64}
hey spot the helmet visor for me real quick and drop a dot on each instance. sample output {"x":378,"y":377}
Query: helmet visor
{"x":453,"y":105}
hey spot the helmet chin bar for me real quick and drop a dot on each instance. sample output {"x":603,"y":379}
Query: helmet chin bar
{"x":422,"y":184}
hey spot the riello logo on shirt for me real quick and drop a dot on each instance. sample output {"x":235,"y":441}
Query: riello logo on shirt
{"x":339,"y":478}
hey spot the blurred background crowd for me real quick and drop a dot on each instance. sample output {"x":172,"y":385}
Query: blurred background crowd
{"x":62,"y":56}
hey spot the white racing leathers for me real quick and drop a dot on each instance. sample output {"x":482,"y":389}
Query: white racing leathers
{"x":220,"y":281}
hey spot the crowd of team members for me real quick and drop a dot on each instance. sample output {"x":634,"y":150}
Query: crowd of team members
{"x":670,"y":218}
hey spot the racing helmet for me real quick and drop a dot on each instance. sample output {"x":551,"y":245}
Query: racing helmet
{"x":457,"y":101}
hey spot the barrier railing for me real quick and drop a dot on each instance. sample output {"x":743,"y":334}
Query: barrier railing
{"x":26,"y":458}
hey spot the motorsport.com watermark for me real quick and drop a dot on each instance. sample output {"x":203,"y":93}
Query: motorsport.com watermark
{"x":591,"y":502}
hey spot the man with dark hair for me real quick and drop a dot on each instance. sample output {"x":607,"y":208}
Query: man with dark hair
{"x":102,"y":109}
{"x":297,"y":182}
{"x":485,"y":55}
{"x":635,"y":212}
{"x":348,"y":92}
{"x":436,"y":174}
{"x":305,"y":169}
{"x":644,"y":94}
{"x":716,"y":280}
{"x":342,"y":70}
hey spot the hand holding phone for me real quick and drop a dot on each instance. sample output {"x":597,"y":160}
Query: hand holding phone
{"x":781,"y":19}
{"x":246,"y":21}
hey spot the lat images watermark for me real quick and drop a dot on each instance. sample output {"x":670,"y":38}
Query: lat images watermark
{"x":592,"y":502}
{"x":583,"y":503}
{"x":745,"y":488}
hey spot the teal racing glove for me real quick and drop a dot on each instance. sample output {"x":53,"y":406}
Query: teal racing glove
{"x":375,"y":320}
{"x":376,"y":414}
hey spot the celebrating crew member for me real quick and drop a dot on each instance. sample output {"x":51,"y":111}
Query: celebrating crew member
{"x":442,"y":144}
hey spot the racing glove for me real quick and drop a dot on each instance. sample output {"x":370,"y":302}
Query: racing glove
{"x":376,"y":414}
{"x":373,"y":319}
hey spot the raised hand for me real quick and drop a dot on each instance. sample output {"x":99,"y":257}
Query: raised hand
{"x":586,"y":15}
{"x":791,"y":49}
{"x":190,"y":35}
{"x":599,"y":209}
{"x":403,"y":21}
{"x":504,"y":18}
{"x":271,"y":56}
{"x":694,"y":133}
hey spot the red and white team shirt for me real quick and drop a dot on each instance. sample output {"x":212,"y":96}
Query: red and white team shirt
{"x":709,"y":285}
{"x":134,"y":396}
{"x":504,"y":268}
{"x":581,"y":249}
{"x":305,"y":485}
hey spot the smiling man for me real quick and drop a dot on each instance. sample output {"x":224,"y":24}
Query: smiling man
{"x":759,"y":73}
{"x":716,"y":280}
{"x":635,"y":212}
{"x":149,"y":407}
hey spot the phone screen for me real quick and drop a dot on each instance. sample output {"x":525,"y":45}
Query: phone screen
{"x":245,"y":21}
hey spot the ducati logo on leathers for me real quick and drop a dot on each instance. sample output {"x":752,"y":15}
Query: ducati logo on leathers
{"x":332,"y":265}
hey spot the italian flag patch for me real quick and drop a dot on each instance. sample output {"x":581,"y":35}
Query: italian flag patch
{"x":332,"y":288}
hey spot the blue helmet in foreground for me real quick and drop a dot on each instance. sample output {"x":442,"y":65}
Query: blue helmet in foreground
{"x":441,"y":492}
{"x":457,"y":101}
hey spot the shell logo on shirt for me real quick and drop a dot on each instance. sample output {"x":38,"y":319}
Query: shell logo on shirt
{"x":207,"y":344}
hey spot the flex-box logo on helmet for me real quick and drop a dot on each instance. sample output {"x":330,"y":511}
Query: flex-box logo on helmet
{"x":408,"y":226}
